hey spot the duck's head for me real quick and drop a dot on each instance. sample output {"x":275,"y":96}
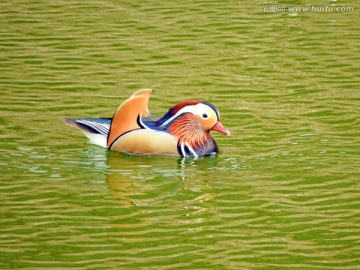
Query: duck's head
{"x":193,"y":114}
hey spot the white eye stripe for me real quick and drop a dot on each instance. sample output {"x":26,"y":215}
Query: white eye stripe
{"x":197,"y":109}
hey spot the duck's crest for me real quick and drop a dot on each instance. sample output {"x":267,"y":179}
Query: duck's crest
{"x":183,"y":104}
{"x":174,"y":110}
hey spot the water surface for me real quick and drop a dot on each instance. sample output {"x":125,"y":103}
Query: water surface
{"x":282,"y":194}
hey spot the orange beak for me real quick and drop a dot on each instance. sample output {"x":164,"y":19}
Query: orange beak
{"x":220,"y":128}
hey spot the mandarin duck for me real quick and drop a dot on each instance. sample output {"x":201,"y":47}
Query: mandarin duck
{"x":183,"y":131}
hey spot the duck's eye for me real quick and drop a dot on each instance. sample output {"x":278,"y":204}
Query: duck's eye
{"x":205,"y":115}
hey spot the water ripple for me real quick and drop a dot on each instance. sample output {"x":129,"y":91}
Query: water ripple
{"x":282,"y":193}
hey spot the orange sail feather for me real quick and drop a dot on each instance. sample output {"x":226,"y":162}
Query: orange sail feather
{"x":125,"y":117}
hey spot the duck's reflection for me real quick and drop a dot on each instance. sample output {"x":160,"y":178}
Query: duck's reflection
{"x":134,"y":180}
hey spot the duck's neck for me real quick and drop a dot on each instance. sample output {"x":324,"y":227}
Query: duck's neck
{"x":193,"y":140}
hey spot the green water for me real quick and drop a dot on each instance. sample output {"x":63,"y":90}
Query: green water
{"x":282,"y":194}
